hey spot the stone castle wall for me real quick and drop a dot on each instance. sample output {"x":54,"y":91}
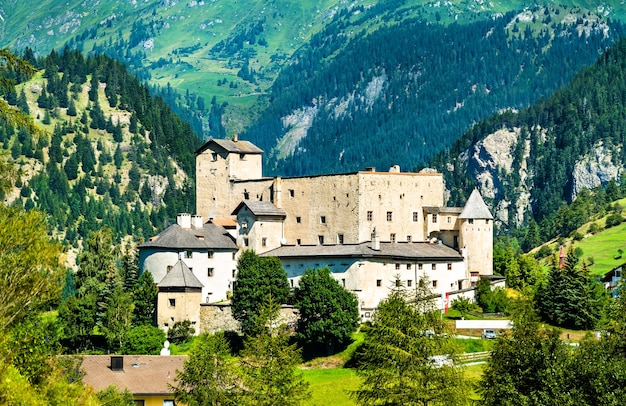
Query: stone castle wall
{"x":219,"y":317}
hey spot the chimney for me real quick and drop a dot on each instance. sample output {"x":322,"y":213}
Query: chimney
{"x":196,"y":221}
{"x":375,"y":241}
{"x":370,"y":169}
{"x":394,"y":169}
{"x":184,"y":220}
{"x":117,"y":363}
{"x":235,"y":138}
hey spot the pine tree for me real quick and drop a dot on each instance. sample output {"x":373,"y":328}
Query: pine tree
{"x":406,"y":359}
{"x":269,"y":363}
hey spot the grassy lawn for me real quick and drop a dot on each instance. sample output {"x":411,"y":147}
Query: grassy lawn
{"x":330,"y":386}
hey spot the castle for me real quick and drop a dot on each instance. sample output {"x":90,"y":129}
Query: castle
{"x":368,"y":227}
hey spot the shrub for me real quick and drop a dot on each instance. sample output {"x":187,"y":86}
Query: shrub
{"x":180,"y":332}
{"x":144,"y":339}
{"x":614,"y":220}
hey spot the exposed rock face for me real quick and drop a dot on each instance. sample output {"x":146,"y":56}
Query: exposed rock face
{"x":490,"y":159}
{"x":595,"y":169}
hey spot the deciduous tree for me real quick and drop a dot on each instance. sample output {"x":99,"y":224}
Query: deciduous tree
{"x":329,"y":314}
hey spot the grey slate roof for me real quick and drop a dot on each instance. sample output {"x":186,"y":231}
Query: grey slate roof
{"x":210,"y":236}
{"x":260,"y":209}
{"x":475,"y":208}
{"x":180,"y":276}
{"x":238,"y":147}
{"x":414,"y":250}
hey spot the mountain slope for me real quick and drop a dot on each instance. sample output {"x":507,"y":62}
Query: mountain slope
{"x":572,"y":140}
{"x":110,"y":154}
{"x":406,"y":91}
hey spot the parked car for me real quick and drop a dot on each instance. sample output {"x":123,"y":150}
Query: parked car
{"x":489,"y":334}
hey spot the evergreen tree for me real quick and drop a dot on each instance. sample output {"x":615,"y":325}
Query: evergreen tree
{"x":405,"y":358}
{"x":569,"y":298}
{"x":257,"y":279}
{"x":269,"y":363}
{"x":208,"y":376}
{"x":528,"y":366}
{"x":145,"y":299}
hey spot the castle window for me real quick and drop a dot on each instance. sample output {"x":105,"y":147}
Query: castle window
{"x":291,"y":282}
{"x":409,"y":238}
{"x":188,"y":254}
{"x":234,"y":273}
{"x":172,"y":302}
{"x":298,"y":219}
{"x":486,"y":221}
{"x":392,"y":237}
{"x":169,"y":268}
{"x":389,"y":216}
{"x":434,"y":217}
{"x":434,"y":267}
{"x":343,"y":282}
{"x":416,"y":217}
{"x":408,"y":266}
{"x":292,"y":193}
{"x":323,"y":219}
{"x":409,"y":282}
{"x":398,"y":283}
{"x":234,"y":256}
{"x":397,"y":267}
{"x":264,"y":242}
{"x":379,"y":282}
{"x":434,"y":284}
{"x":214,"y":156}
{"x":246,"y":195}
{"x":420,"y":266}
{"x":298,"y":241}
{"x":449,"y":266}
{"x":210,"y":254}
{"x":209,"y":272}
{"x":242,"y":157}
{"x":320,"y":239}
{"x":370,"y":215}
{"x":339,"y":238}
{"x":449,"y":219}
{"x":471,"y":221}
{"x":245,"y":242}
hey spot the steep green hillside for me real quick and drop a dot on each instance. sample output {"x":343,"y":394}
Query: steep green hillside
{"x":110,"y":154}
{"x":558,"y":147}
{"x":405,"y":91}
{"x":232,"y":51}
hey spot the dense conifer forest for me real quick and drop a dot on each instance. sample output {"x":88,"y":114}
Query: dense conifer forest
{"x":560,"y":131}
{"x":404,"y":92}
{"x":115,"y":155}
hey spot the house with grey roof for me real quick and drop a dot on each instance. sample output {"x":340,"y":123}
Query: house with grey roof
{"x":209,"y":251}
{"x":179,"y":296}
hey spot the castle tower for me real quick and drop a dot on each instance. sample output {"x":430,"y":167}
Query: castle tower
{"x":219,"y":163}
{"x":476,"y":236}
{"x":179,"y":297}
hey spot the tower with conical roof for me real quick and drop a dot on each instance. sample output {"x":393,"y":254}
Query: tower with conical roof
{"x":476,"y":236}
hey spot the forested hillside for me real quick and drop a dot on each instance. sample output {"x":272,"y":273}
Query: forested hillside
{"x":407,"y":90}
{"x":556,"y":148}
{"x":109,"y":154}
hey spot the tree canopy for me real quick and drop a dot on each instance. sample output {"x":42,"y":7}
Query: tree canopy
{"x":329,"y":314}
{"x":258,"y":279}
